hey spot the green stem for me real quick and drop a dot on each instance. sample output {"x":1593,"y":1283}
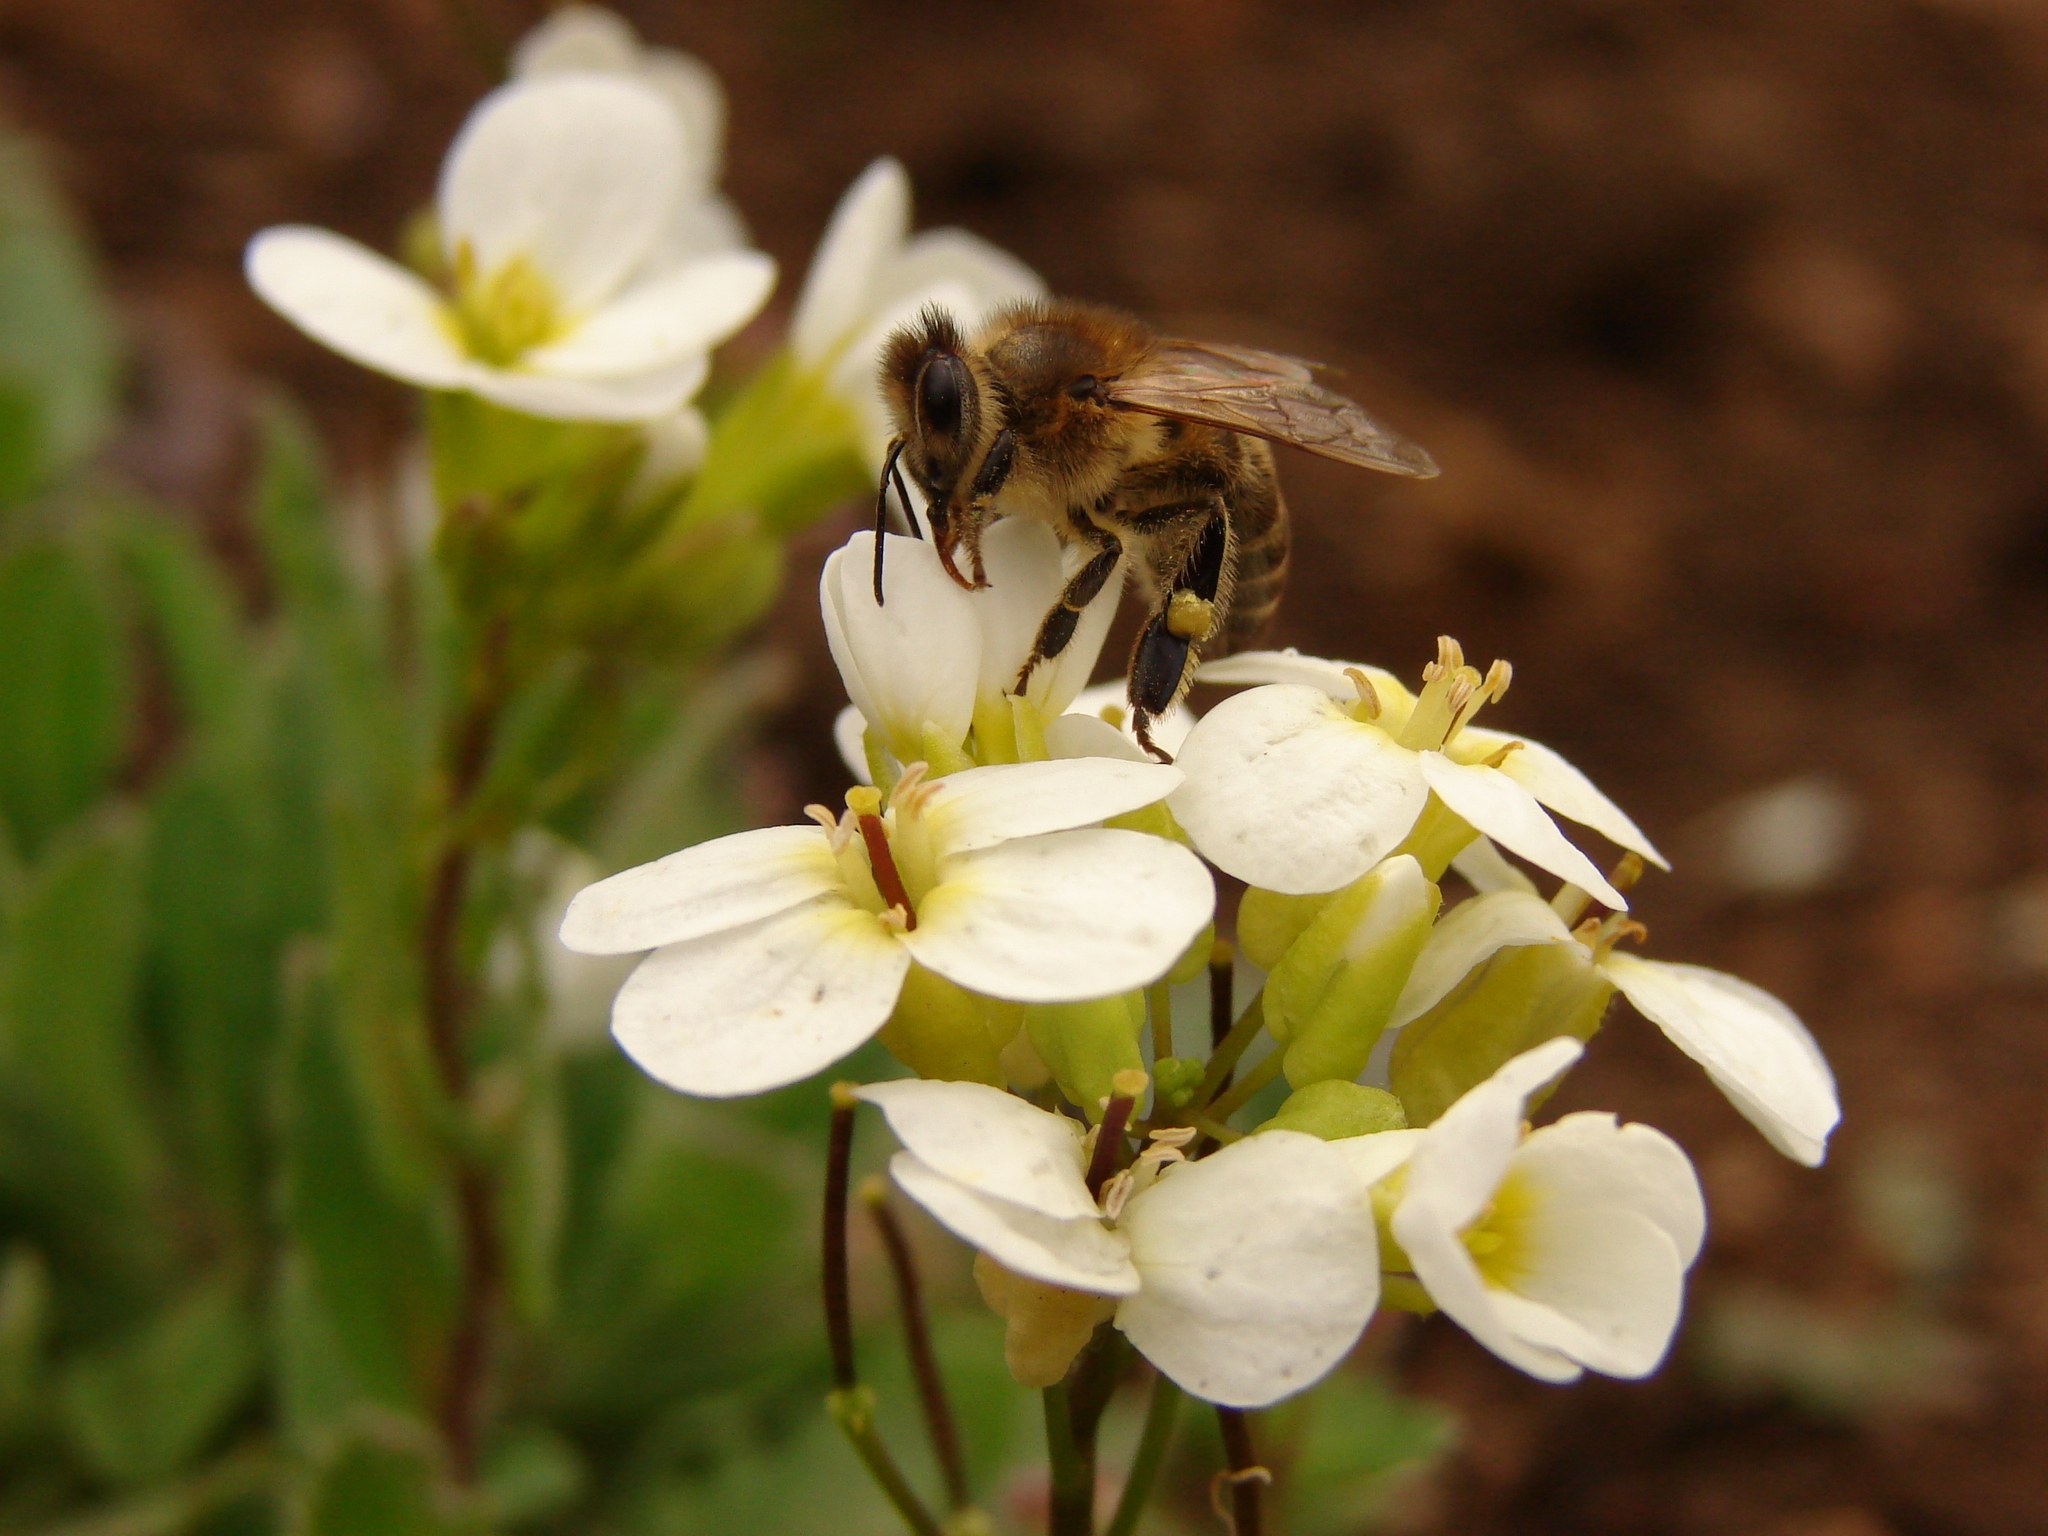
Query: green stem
{"x":1072,"y":1511}
{"x":1241,"y":1094}
{"x":853,"y":1410}
{"x":1152,"y":1444}
{"x":1223,"y":1060}
{"x":1159,"y":1006}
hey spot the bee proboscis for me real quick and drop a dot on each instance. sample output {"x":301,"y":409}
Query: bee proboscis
{"x":1137,"y":447}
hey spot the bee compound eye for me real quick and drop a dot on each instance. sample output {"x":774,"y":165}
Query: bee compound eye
{"x":942,"y":391}
{"x":1086,"y":387}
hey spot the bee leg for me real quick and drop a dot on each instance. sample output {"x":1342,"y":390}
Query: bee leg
{"x":882,"y":508}
{"x":1168,"y":650}
{"x":1081,"y":590}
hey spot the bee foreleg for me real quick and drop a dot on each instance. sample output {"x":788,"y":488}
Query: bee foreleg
{"x":882,"y":508}
{"x":1082,"y":589}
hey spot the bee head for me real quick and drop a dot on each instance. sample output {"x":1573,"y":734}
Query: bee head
{"x":935,"y":401}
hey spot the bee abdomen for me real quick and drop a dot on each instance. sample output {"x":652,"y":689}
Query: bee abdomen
{"x":1260,"y":576}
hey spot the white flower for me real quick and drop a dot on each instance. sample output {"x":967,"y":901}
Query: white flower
{"x":778,"y":951}
{"x":590,"y":39}
{"x":1244,"y":1276}
{"x":554,"y":204}
{"x":1562,"y":1250}
{"x":870,"y":277}
{"x":1304,"y":785}
{"x":1753,"y":1046}
{"x":922,"y":665}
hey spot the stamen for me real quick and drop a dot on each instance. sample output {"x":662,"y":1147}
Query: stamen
{"x":1502,"y":755}
{"x":1173,"y":1135}
{"x":822,"y":815}
{"x":913,"y":791}
{"x":1498,"y":676}
{"x":1116,"y":1194}
{"x":1126,"y":1087}
{"x":1368,"y":696}
{"x":1627,"y":871}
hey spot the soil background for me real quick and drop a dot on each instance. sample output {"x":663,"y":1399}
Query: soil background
{"x":1728,"y":322}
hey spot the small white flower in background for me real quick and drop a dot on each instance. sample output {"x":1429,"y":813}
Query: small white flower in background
{"x":923,"y":664}
{"x":1244,"y":1277}
{"x":1789,"y":839}
{"x":776,"y":952}
{"x":554,"y":204}
{"x":1562,"y":1250}
{"x":1303,"y":785}
{"x":1753,"y":1046}
{"x":592,"y":40}
{"x":871,"y":276}
{"x":1098,"y":724}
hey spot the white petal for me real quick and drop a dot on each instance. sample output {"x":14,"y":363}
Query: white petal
{"x":713,"y":886}
{"x":694,"y":94}
{"x":1487,"y":870}
{"x":1459,"y":1164}
{"x":1753,"y":1047}
{"x":344,"y":296}
{"x":1591,"y":1161}
{"x":1454,"y":1283}
{"x":1466,"y":937}
{"x":1372,"y":1158}
{"x":1169,"y":730}
{"x":576,"y":173}
{"x":990,"y":1141}
{"x":1086,"y":735}
{"x":1063,"y":917}
{"x":587,"y":37}
{"x":641,"y":397}
{"x":659,"y":322}
{"x":1027,"y":571}
{"x":849,"y":735}
{"x":1557,"y":784}
{"x":1501,"y":809}
{"x":1287,"y":792}
{"x":1080,"y":1252}
{"x":980,"y":807}
{"x":697,"y":226}
{"x":987,"y":275}
{"x":867,"y":229}
{"x":1260,"y":1269}
{"x":754,"y":1008}
{"x":914,"y":659}
{"x":1332,"y":677}
{"x":1602,"y":1287}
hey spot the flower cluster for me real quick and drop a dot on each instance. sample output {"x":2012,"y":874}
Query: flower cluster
{"x":971,"y":906}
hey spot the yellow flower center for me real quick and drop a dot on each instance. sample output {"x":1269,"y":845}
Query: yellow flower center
{"x":1499,"y":1240}
{"x":502,"y":315}
{"x":887,"y":863}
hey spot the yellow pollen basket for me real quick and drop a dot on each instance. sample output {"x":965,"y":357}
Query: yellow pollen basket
{"x":1189,"y":617}
{"x":502,"y":316}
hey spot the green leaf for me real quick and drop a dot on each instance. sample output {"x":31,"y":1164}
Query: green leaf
{"x":57,"y":355}
{"x":144,"y":1407}
{"x":1359,"y":1438}
{"x":77,"y":1140}
{"x":379,"y":1261}
{"x":63,"y":690}
{"x":379,"y":1490}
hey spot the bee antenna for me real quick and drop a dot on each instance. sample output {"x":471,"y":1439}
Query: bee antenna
{"x":882,"y":509}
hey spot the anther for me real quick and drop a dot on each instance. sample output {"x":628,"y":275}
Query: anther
{"x":1498,"y":676}
{"x":1173,"y":1135}
{"x":1116,"y":1194}
{"x":1627,"y":871}
{"x":1503,"y":755}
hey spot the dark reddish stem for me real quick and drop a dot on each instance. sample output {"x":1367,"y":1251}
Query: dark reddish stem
{"x":1246,"y":1477}
{"x":1109,"y":1142}
{"x":917,"y":1336}
{"x":447,"y":1002}
{"x":888,"y":880}
{"x":838,"y":1306}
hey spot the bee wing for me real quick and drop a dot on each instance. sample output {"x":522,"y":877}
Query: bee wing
{"x":1263,"y":394}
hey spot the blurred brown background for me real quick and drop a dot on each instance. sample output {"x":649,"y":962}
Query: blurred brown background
{"x":1729,"y":325}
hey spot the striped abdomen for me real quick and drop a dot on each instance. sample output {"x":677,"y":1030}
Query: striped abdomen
{"x":1258,"y":520}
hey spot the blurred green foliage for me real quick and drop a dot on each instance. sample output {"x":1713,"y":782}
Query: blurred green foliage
{"x":232,"y":1181}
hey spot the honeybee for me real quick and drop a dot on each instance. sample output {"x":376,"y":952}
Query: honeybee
{"x":1130,"y":444}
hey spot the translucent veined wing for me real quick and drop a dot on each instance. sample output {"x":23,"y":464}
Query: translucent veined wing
{"x":1263,"y":394}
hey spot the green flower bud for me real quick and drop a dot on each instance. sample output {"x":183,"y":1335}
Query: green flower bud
{"x":1518,"y":999}
{"x":1175,"y":1079}
{"x":1334,"y":1109}
{"x":1267,"y":923}
{"x":1087,"y":1044}
{"x":1333,"y":991}
{"x":944,"y":1031}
